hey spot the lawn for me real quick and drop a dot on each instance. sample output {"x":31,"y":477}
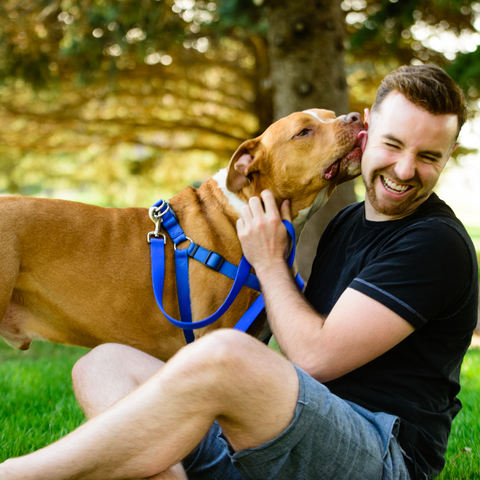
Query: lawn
{"x":37,"y":401}
{"x":463,"y":453}
{"x":38,"y":405}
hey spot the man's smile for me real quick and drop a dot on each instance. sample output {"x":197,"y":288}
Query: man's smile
{"x":394,"y":187}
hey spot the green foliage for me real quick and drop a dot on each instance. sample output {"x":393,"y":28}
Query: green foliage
{"x":466,"y":70}
{"x":387,"y":27}
{"x":387,"y":35}
{"x":98,"y":100}
{"x":42,"y":39}
{"x":241,"y":13}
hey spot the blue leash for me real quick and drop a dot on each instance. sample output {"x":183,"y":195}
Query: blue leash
{"x":162,"y":214}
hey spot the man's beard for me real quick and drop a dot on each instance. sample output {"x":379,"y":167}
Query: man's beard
{"x":387,"y":208}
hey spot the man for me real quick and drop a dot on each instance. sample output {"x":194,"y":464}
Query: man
{"x":393,"y":297}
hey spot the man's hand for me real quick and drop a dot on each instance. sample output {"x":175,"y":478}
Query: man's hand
{"x":261,"y":232}
{"x":358,"y":330}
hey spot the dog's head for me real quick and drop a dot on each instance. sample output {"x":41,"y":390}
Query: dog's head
{"x":301,"y":157}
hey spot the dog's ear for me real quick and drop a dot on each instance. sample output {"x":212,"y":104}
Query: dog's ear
{"x":243,"y":163}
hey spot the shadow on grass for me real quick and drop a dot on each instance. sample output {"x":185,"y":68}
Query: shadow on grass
{"x":39,"y":350}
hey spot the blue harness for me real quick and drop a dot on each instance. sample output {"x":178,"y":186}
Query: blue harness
{"x":162,"y":214}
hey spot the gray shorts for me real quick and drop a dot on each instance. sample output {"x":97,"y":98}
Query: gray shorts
{"x":329,"y":438}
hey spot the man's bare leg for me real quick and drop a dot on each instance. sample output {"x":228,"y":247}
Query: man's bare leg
{"x":229,"y":376}
{"x":107,"y":374}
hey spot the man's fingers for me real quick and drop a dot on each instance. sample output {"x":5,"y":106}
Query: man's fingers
{"x":256,"y":207}
{"x":246,"y":213}
{"x":269,"y":201}
{"x":263,"y":207}
{"x":240,"y":225}
{"x":285,"y":211}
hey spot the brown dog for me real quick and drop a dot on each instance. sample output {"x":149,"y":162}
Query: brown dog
{"x":79,"y":274}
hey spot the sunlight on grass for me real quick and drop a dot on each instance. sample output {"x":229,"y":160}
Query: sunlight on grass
{"x":463,"y":453}
{"x":38,"y":405}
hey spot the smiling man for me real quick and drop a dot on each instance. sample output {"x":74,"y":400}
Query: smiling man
{"x":368,"y":387}
{"x":397,"y":273}
{"x":393,"y":286}
{"x":408,"y":149}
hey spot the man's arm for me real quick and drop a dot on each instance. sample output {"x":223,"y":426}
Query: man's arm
{"x":358,"y":329}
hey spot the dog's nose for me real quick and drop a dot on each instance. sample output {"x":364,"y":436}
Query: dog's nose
{"x":353,"y":117}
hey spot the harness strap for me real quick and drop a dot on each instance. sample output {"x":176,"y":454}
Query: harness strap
{"x":162,"y":214}
{"x":157,"y":250}
{"x":256,"y":308}
{"x":183,"y":291}
{"x":171,"y":225}
{"x":219,"y":264}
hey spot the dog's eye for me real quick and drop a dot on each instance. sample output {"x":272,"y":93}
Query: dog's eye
{"x":304,"y":132}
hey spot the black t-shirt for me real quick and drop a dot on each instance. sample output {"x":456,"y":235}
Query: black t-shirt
{"x":423,"y":267}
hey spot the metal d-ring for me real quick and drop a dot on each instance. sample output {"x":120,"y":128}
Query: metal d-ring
{"x":188,"y":238}
{"x":156,"y":213}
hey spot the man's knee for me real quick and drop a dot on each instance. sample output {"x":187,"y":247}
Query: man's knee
{"x":96,"y":360}
{"x":220,"y":350}
{"x":111,"y":361}
{"x":213,"y":362}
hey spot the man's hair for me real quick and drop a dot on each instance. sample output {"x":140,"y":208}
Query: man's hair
{"x":428,"y":87}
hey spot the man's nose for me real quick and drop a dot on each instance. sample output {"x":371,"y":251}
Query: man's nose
{"x":405,"y":167}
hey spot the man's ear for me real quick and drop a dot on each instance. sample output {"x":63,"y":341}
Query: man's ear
{"x":243,"y":163}
{"x":455,"y":146}
{"x":366,"y":115}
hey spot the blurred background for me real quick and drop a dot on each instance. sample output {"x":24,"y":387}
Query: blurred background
{"x":122,"y":102}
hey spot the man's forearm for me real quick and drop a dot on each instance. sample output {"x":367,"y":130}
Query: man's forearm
{"x":294,"y":323}
{"x":296,"y":326}
{"x":358,"y":330}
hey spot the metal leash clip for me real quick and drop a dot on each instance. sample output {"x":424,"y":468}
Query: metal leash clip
{"x":156,"y":215}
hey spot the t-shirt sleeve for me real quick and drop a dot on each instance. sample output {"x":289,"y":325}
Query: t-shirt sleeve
{"x":424,"y":273}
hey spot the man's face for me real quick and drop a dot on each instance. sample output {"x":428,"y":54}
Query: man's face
{"x":406,"y":151}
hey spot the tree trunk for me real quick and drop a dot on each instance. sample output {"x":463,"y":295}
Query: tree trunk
{"x":306,"y":50}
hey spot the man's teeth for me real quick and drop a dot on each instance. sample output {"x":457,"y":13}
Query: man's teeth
{"x":394,"y":187}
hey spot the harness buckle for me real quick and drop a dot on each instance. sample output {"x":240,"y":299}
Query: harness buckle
{"x":156,"y":234}
{"x":214,"y":261}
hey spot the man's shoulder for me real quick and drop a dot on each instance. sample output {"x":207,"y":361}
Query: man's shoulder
{"x":353,"y":211}
{"x":436,"y":217}
{"x":435,"y":207}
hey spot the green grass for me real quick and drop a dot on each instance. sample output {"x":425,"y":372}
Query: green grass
{"x":37,"y":402}
{"x":463,"y":453}
{"x":38,"y":406}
